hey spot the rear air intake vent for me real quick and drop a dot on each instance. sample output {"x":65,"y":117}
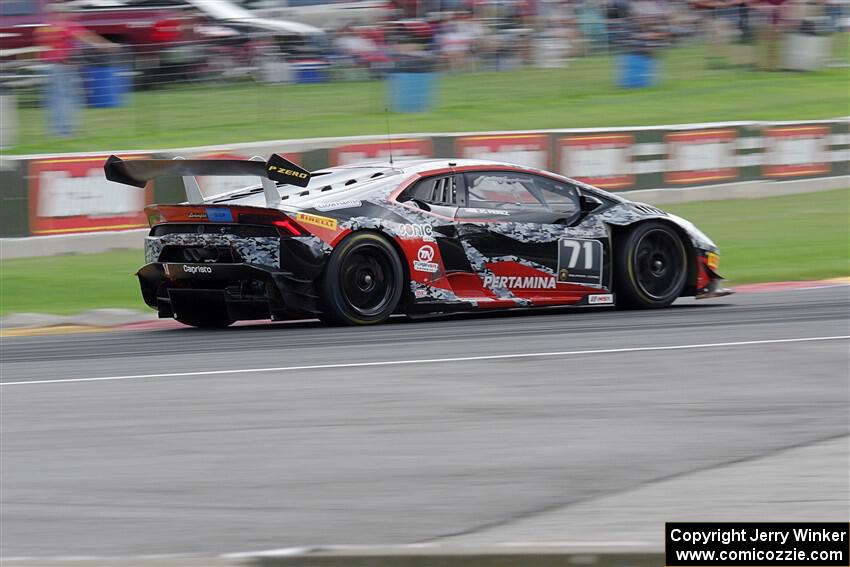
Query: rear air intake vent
{"x":240,"y":230}
{"x":647,"y":209}
{"x":199,"y":254}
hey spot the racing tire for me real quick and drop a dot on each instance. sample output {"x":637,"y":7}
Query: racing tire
{"x":363,"y":281}
{"x":650,"y":266}
{"x":205,"y":320}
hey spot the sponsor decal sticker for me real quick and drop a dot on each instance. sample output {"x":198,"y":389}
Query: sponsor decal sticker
{"x":423,"y":231}
{"x":188,"y":269}
{"x":316,"y":220}
{"x":713,"y":260}
{"x":197,"y":216}
{"x":288,"y":172}
{"x":219,"y":215}
{"x":425,"y":254}
{"x":334,"y":205}
{"x":424,"y":260}
{"x":520,"y":282}
{"x":475,"y":211}
{"x":580,"y":261}
{"x":600,"y":299}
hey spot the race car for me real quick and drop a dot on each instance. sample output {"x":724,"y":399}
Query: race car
{"x":356,"y":244}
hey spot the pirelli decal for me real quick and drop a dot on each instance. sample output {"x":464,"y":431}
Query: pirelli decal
{"x":316,"y":220}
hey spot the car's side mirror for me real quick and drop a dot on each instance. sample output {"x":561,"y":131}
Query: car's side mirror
{"x":421,"y":204}
{"x":589,"y":203}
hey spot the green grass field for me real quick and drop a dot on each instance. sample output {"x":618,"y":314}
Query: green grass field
{"x":798,"y":237}
{"x":582,"y":94}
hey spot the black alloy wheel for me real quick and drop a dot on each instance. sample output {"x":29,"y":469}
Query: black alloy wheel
{"x":651,"y":266}
{"x":363,"y":281}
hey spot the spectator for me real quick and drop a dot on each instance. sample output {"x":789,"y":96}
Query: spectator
{"x":364,"y":48}
{"x":719,"y":19}
{"x":59,"y":39}
{"x":836,"y":13}
{"x":745,"y":35}
{"x":456,"y":40}
{"x":771,"y":15}
{"x":591,"y":19}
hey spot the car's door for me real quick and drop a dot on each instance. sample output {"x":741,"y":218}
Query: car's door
{"x":518,"y":231}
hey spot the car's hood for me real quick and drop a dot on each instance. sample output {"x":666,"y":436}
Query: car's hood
{"x":224,"y":11}
{"x":281,"y":26}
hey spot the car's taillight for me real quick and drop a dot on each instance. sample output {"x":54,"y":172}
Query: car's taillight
{"x":285,"y":225}
{"x":288,"y":226}
{"x":165,"y":31}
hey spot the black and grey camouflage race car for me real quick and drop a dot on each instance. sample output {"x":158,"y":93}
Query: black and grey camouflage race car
{"x":357,"y":244}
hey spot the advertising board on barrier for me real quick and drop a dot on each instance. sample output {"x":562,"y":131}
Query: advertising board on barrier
{"x":68,"y":195}
{"x":701,"y":156}
{"x":530,"y":150}
{"x":603,"y":160}
{"x":380,"y":150}
{"x":796,"y":151}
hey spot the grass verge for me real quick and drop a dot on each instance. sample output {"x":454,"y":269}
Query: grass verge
{"x":582,"y":94}
{"x":797,"y":237}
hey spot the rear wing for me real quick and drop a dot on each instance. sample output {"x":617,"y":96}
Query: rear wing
{"x":137,"y":172}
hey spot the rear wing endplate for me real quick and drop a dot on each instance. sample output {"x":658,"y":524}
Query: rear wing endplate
{"x":278,"y":169}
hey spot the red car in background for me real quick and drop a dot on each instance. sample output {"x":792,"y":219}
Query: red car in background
{"x":162,"y":40}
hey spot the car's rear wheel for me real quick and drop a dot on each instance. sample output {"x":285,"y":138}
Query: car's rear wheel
{"x":363,"y":281}
{"x":650,"y":266}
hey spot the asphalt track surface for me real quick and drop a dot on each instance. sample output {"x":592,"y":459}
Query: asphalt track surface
{"x":211,"y":442}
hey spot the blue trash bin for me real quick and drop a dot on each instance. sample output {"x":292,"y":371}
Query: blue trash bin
{"x":106,"y":86}
{"x":636,"y":70}
{"x":412,"y":84}
{"x":411,"y":92}
{"x":310,"y":71}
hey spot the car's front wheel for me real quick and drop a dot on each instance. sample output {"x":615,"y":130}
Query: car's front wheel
{"x":650,"y":266}
{"x":363,"y":281}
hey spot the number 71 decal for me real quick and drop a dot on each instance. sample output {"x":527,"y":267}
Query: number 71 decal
{"x":580,"y":261}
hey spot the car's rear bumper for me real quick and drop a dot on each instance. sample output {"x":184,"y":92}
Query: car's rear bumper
{"x":244,"y":291}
